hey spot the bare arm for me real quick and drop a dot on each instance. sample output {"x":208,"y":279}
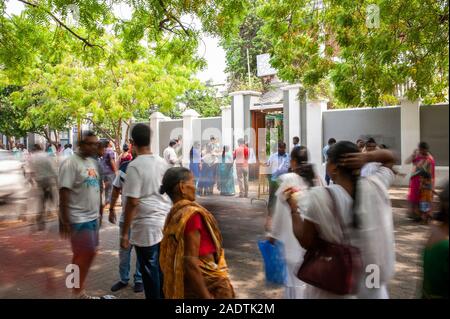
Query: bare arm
{"x":114,"y":196}
{"x":113,"y":165}
{"x":358,"y":160}
{"x":304,"y":230}
{"x":192,"y":271}
{"x":410,"y":159}
{"x":64,"y":194}
{"x":130,"y":213}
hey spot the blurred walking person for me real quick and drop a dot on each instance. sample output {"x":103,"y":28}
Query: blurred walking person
{"x":421,"y":184}
{"x":216,"y":152}
{"x":301,"y":178}
{"x":226,"y":173}
{"x":354,"y":211}
{"x":195,"y":159}
{"x":44,"y":174}
{"x":241,"y":156}
{"x":435,"y":254}
{"x":208,"y":172}
{"x":109,"y":168}
{"x":145,"y":210}
{"x":192,"y":256}
{"x":80,"y":205}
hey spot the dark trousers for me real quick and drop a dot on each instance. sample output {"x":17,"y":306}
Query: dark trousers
{"x":273,"y":186}
{"x":152,"y":277}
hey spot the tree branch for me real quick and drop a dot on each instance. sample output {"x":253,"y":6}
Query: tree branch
{"x":84,"y":40}
{"x":100,"y":129}
{"x":170,"y":15}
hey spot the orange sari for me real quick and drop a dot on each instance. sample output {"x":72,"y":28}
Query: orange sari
{"x":215,"y":274}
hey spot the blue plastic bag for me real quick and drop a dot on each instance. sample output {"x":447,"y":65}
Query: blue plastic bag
{"x":274,"y":262}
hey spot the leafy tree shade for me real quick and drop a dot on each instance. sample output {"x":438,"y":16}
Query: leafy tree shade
{"x":236,"y":46}
{"x":105,"y":95}
{"x":152,"y":21}
{"x":204,"y":100}
{"x":314,"y":45}
{"x":10,"y":114}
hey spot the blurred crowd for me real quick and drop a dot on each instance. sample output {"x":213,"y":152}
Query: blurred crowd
{"x":332,"y":230}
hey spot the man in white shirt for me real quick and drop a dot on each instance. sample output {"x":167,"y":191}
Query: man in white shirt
{"x":67,"y":152}
{"x":124,"y":254}
{"x":170,"y":154}
{"x":145,"y":210}
{"x":279,"y":164}
{"x":179,"y":147}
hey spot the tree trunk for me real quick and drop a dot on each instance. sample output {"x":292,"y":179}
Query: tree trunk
{"x":10,"y":142}
{"x":117,"y":138}
{"x":47,"y":136}
{"x":55,"y":133}
{"x":127,"y":133}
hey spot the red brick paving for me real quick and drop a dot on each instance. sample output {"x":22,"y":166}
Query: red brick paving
{"x":32,"y":264}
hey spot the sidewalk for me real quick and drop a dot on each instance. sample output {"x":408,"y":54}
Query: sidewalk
{"x":32,"y":264}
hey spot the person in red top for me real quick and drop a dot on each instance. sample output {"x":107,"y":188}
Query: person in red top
{"x":192,"y":257}
{"x":196,"y":223}
{"x":241,"y":155}
{"x":126,"y":155}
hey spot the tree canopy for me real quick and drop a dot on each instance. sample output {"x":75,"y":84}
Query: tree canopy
{"x":102,"y":70}
{"x":76,"y":60}
{"x":364,"y":56}
{"x":236,"y":46}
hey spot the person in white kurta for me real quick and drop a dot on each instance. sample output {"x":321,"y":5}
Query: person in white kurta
{"x":282,"y":231}
{"x":374,"y":235}
{"x":282,"y":222}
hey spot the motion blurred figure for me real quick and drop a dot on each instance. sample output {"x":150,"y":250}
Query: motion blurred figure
{"x":44,"y":175}
{"x":421,"y":185}
{"x":80,"y":204}
{"x":435,"y":255}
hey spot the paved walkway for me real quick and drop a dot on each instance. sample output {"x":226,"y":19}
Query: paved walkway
{"x":32,"y":264}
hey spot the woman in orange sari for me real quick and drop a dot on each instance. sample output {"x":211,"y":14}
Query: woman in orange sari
{"x":191,"y":258}
{"x":421,"y":185}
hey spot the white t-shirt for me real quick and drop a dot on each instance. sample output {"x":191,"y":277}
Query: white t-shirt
{"x":143,"y":181}
{"x":67,"y":152}
{"x":375,"y":234}
{"x":170,"y":156}
{"x":81,"y":176}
